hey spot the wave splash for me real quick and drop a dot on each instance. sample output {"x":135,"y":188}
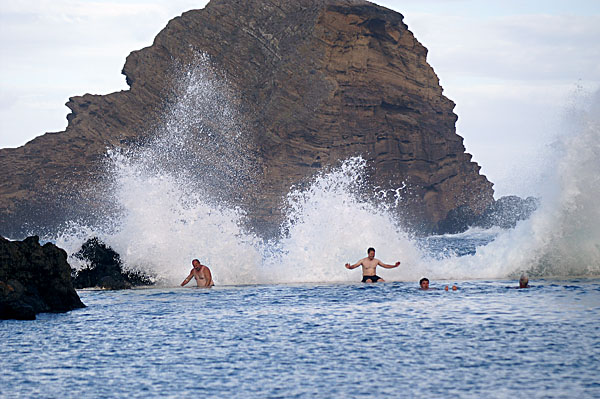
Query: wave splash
{"x":562,"y":238}
{"x":168,"y":199}
{"x":173,"y":199}
{"x":327,"y":225}
{"x":567,"y":230}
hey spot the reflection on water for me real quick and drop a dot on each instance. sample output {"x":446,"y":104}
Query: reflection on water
{"x":330,"y":340}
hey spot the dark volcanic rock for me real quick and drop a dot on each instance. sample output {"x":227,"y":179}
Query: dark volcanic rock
{"x":317,"y":81}
{"x":507,"y":211}
{"x":105,"y":269}
{"x":457,"y":221}
{"x":34,"y":279}
{"x":504,"y":213}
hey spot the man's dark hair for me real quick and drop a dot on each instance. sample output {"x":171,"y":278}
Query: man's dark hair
{"x":423,"y":279}
{"x":370,"y":249}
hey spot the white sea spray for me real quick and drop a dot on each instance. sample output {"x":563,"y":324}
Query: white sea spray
{"x":172,"y":201}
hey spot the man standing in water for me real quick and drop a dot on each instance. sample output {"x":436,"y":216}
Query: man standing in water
{"x":369,"y":264}
{"x":201,"y":273}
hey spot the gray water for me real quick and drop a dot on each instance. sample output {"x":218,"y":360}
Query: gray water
{"x":486,"y":340}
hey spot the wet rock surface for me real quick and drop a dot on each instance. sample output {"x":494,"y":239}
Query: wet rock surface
{"x":34,"y":279}
{"x":105,"y":269}
{"x":505,"y":212}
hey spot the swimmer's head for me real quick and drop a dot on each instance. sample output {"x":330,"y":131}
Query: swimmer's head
{"x":523,"y":281}
{"x":424,"y":283}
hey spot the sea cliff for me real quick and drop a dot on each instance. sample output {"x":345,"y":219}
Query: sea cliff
{"x":316,"y":82}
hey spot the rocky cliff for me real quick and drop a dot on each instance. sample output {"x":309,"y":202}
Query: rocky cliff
{"x":317,"y":81}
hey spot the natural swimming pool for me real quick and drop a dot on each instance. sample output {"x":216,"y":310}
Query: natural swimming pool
{"x":313,"y":340}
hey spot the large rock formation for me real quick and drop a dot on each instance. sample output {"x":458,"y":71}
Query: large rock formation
{"x":317,"y":81}
{"x":34,"y":279}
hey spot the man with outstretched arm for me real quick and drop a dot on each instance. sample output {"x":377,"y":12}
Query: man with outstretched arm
{"x":202,"y":275}
{"x":369,"y":264}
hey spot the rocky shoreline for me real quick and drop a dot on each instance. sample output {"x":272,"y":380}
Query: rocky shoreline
{"x":105,"y":269}
{"x":34,"y":279}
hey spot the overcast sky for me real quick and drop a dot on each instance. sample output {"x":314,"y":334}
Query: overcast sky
{"x":512,"y":67}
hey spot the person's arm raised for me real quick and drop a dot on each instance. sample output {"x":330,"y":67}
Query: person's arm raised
{"x":354,"y":266}
{"x":389,"y":266}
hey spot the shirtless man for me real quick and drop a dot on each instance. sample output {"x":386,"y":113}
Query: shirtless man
{"x":369,"y":264}
{"x":201,"y":273}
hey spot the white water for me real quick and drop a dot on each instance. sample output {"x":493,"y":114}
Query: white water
{"x":168,"y":214}
{"x":562,"y":238}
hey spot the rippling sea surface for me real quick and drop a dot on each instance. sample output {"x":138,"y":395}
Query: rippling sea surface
{"x":485,"y":340}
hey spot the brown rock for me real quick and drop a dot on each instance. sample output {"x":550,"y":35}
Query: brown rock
{"x":318,"y":81}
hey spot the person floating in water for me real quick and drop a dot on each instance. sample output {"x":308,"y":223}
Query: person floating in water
{"x":524,"y":281}
{"x":369,"y":264}
{"x":424,"y":284}
{"x":201,"y":273}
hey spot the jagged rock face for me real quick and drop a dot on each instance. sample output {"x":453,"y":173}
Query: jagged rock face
{"x":105,"y":269}
{"x":506,"y":212}
{"x":318,"y":81}
{"x":34,"y":279}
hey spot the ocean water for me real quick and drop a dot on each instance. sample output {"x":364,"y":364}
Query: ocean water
{"x":346,"y":340}
{"x":286,"y":319}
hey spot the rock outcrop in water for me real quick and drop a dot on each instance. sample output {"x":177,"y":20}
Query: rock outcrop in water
{"x":34,"y":279}
{"x":506,"y":212}
{"x":317,"y":81}
{"x":105,"y":269}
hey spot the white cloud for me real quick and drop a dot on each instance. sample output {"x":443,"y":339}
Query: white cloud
{"x":66,"y":10}
{"x":516,"y":47}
